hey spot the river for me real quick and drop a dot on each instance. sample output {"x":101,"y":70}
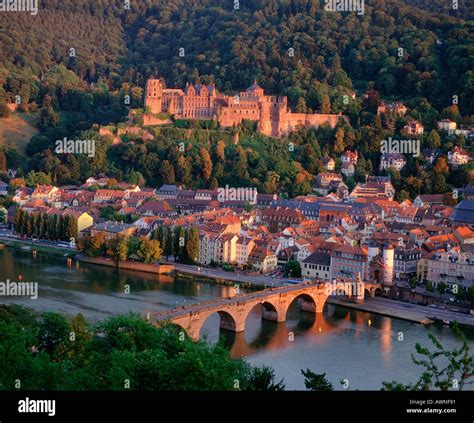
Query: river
{"x":360,"y":348}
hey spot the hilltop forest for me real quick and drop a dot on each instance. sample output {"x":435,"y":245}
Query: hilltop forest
{"x":74,"y":63}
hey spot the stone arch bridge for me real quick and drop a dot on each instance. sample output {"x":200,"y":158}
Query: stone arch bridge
{"x":275,"y":302}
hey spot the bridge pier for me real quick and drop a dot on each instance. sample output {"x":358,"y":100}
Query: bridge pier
{"x":273,"y":315}
{"x":193,"y":333}
{"x":231,"y":325}
{"x":274,"y":311}
{"x":308,"y":306}
{"x":359,"y":295}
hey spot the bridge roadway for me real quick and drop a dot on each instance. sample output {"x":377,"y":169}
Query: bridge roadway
{"x":233,"y":311}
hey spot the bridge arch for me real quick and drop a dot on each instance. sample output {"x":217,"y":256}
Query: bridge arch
{"x":271,"y":311}
{"x":268,"y":309}
{"x":306,"y":301}
{"x":227,"y":321}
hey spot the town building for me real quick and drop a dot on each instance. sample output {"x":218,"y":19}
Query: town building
{"x":262,"y":259}
{"x":317,"y":266}
{"x":431,"y":154}
{"x":349,"y":262}
{"x":327,"y":182}
{"x":447,"y":125}
{"x":392,"y":160}
{"x":350,"y":157}
{"x":375,"y":187}
{"x":451,"y":267}
{"x":396,"y":108}
{"x":44,"y":192}
{"x":3,"y":188}
{"x":463,"y":214}
{"x":348,"y":170}
{"x":113,"y":229}
{"x":429,"y":200}
{"x":405,"y":261}
{"x":329,"y":164}
{"x":458,"y":157}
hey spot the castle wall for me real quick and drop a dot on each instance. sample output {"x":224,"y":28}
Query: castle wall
{"x":309,"y":120}
{"x":234,"y":115}
{"x":149,"y":120}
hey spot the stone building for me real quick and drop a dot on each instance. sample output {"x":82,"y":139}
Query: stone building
{"x":271,"y":113}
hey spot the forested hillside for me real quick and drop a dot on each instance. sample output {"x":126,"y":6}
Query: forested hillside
{"x":73,"y":65}
{"x":232,"y":47}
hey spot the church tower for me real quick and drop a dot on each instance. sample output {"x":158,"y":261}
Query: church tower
{"x":154,"y":96}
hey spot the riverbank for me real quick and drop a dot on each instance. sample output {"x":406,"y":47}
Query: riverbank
{"x":25,"y":245}
{"x":215,"y":281}
{"x":415,"y":317}
{"x":237,"y":277}
{"x":159,"y":269}
{"x":409,"y":312}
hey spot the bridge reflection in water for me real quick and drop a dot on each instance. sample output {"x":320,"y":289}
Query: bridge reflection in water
{"x":318,"y":328}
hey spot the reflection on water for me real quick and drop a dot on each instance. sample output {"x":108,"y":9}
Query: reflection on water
{"x":97,"y":291}
{"x":264,"y":334}
{"x":345,"y":344}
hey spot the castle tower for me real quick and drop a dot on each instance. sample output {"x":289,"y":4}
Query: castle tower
{"x":281,"y":126}
{"x":256,"y":90}
{"x":154,"y":96}
{"x":388,"y":264}
{"x":265,"y":123}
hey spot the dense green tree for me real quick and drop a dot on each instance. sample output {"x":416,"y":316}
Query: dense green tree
{"x":316,"y":382}
{"x":149,"y":250}
{"x":167,"y":172}
{"x":53,"y":337}
{"x":54,"y":353}
{"x":37,"y":178}
{"x":441,"y":287}
{"x":434,"y":140}
{"x":117,"y":249}
{"x":206,"y":164}
{"x":263,"y":379}
{"x":293,"y":269}
{"x":192,"y":244}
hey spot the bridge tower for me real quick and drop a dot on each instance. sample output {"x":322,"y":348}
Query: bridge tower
{"x":388,"y":264}
{"x":359,"y":291}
